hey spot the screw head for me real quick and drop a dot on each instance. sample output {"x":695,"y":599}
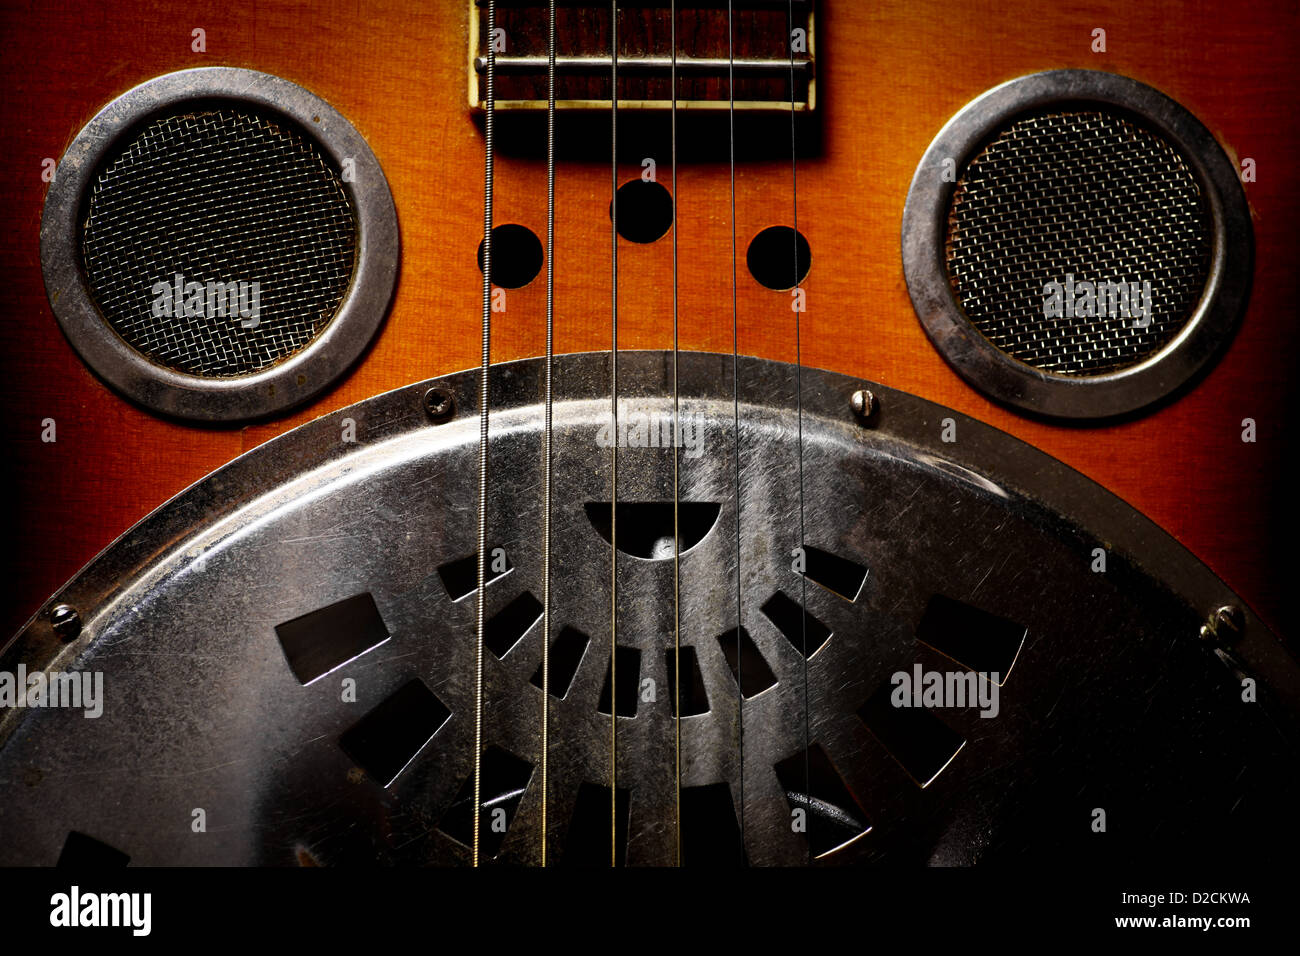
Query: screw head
{"x":440,"y":403}
{"x":1229,"y":621}
{"x":863,"y":402}
{"x":66,"y":621}
{"x":1225,"y":625}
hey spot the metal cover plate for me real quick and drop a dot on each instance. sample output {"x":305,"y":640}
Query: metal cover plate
{"x":1109,"y":697}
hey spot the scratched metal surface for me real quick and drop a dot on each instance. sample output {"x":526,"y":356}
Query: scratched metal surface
{"x":1113,"y":701}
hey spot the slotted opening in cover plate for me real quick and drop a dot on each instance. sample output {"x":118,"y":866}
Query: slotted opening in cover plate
{"x":503,"y":778}
{"x":914,"y":736}
{"x":645,"y":528}
{"x":567,"y":651}
{"x":324,"y":640}
{"x":693,"y":697}
{"x":504,"y":629}
{"x":835,"y":573}
{"x":460,"y":577}
{"x":626,"y":681}
{"x":832,"y":816}
{"x":82,"y":852}
{"x":590,"y":841}
{"x":387,"y":739}
{"x":800,"y":626}
{"x":710,"y":830}
{"x":748,"y":666}
{"x":974,"y":638}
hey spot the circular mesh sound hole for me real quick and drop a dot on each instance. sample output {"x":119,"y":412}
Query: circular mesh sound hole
{"x":224,"y":198}
{"x":1087,"y":195}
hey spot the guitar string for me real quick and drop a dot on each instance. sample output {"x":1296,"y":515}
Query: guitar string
{"x":613,"y":505}
{"x":735,"y":404}
{"x":546,"y":435}
{"x":483,"y":395}
{"x":798,"y":366}
{"x":677,"y":540}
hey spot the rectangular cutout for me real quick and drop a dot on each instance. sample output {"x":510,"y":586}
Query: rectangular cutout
{"x":694,"y":699}
{"x":387,"y":739}
{"x":836,"y":574}
{"x":324,"y":640}
{"x":503,"y":780}
{"x":629,"y":683}
{"x":916,"y":738}
{"x":82,"y":852}
{"x":710,"y":831}
{"x":811,"y":783}
{"x":588,"y":840}
{"x":796,"y":623}
{"x":567,"y":651}
{"x":748,"y":666}
{"x":504,"y":629}
{"x":974,"y":638}
{"x":460,"y":577}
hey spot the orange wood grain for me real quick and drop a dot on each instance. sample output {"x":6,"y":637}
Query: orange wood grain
{"x":891,"y":73}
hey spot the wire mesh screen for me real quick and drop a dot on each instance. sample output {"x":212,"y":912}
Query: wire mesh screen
{"x":1060,"y":201}
{"x":218,"y":242}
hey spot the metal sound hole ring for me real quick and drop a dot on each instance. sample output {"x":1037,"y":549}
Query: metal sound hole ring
{"x":1067,"y":177}
{"x":219,"y":244}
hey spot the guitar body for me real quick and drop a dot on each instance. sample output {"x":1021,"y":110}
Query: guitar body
{"x":892,"y":75}
{"x":889,"y":76}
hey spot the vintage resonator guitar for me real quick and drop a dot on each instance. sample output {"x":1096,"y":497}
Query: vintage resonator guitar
{"x":649,"y":433}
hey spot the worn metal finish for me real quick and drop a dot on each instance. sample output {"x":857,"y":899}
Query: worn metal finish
{"x":1113,"y":700}
{"x":1013,"y":382}
{"x":275,"y":388}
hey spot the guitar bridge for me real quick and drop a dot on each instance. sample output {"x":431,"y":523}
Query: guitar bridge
{"x":764,"y":60}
